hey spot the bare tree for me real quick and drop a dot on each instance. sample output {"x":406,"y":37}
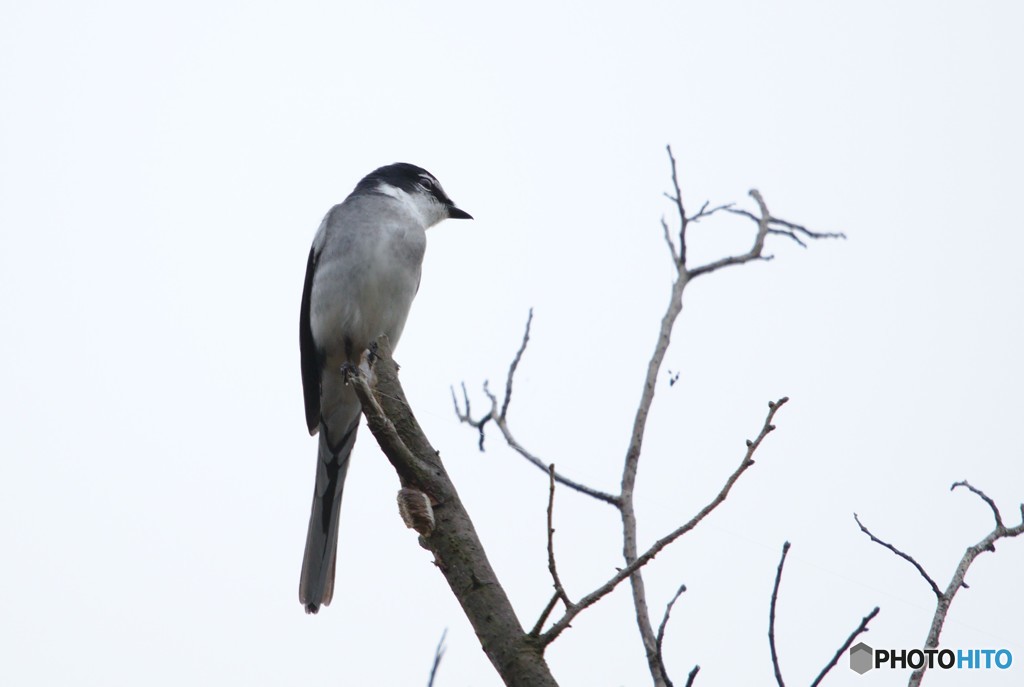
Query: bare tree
{"x":944,"y":598}
{"x":430,"y":504}
{"x":676,"y":243}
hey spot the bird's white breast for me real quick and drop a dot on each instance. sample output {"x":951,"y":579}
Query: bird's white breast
{"x":367,"y":274}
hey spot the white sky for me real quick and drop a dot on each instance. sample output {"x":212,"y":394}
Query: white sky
{"x":163,"y":170}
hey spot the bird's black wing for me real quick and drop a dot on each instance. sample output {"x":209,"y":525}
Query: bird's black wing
{"x":310,"y":355}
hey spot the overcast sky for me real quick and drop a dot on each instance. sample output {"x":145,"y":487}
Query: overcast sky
{"x":163,"y":169}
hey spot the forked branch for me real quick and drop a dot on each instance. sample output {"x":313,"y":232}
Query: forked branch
{"x":860,"y":629}
{"x":944,"y":598}
{"x":748,"y":460}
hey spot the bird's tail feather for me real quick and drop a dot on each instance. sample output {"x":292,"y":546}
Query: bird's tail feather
{"x":316,"y":585}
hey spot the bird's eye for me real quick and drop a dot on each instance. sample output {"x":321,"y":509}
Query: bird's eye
{"x":428,"y":183}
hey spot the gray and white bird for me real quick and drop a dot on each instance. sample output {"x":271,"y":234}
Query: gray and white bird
{"x":363,"y":273}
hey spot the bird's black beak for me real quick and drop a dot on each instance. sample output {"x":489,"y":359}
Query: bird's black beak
{"x":455,"y":213}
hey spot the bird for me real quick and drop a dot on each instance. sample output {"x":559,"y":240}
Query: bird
{"x":361,"y":277}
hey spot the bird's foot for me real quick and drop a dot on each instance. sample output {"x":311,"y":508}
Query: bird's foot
{"x":348,"y":370}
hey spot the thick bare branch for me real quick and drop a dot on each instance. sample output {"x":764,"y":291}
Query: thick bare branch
{"x":771,"y":616}
{"x":945,"y":599}
{"x":633,"y":451}
{"x":458,"y":552}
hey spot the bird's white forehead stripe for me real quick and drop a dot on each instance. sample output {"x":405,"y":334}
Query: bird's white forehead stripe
{"x":393,"y":191}
{"x":422,"y":205}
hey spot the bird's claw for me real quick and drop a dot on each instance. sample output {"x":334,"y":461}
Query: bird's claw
{"x":348,"y":370}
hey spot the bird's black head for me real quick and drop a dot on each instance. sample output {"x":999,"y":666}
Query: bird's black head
{"x":412,"y":180}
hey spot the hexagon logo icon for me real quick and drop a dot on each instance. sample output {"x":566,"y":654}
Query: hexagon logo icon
{"x":862,"y":658}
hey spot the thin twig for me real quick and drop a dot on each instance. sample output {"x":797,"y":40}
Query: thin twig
{"x":807,"y":232}
{"x":692,"y":676}
{"x":862,"y":628}
{"x":661,"y":633}
{"x":467,"y":418}
{"x":552,"y":568}
{"x":984,"y":497}
{"x":655,"y":549}
{"x":560,"y":478}
{"x":904,"y":556}
{"x":438,"y":655}
{"x":514,"y":365}
{"x":539,"y":625}
{"x":705,"y":213}
{"x":668,"y":241}
{"x":500,"y":420}
{"x":771,"y":616}
{"x":677,"y":199}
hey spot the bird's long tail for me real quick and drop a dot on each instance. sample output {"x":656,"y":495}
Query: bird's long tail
{"x":316,"y":586}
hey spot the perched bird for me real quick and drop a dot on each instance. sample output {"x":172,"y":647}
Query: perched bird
{"x":363,"y":272}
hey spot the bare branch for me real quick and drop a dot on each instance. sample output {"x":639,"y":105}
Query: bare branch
{"x":438,"y":655}
{"x":560,"y":478}
{"x":539,"y":625}
{"x":514,"y":365}
{"x":790,"y":235}
{"x":771,"y":616}
{"x":655,"y":549}
{"x":552,"y":568}
{"x":766,"y":224}
{"x":678,"y":200}
{"x":467,"y":418}
{"x":704,"y":212}
{"x":632,"y":458}
{"x":904,"y":556}
{"x":862,"y":628}
{"x":692,"y":676}
{"x":797,"y":228}
{"x":661,"y":634}
{"x":945,"y":599}
{"x":755,"y":252}
{"x":500,"y":420}
{"x":458,"y":552}
{"x":984,"y":497}
{"x":668,"y":240}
